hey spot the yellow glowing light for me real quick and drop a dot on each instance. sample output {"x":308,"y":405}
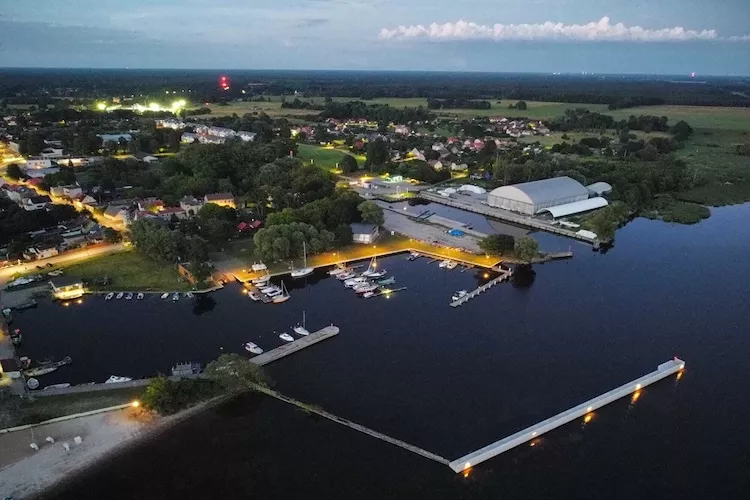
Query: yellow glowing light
{"x":636,"y":395}
{"x":587,"y":418}
{"x":66,"y":304}
{"x":101,"y":106}
{"x":589,"y":409}
{"x":467,"y":465}
{"x":154,"y":106}
{"x":135,"y":404}
{"x":486,"y":275}
{"x":679,"y":375}
{"x":79,"y":301}
{"x":179,"y":104}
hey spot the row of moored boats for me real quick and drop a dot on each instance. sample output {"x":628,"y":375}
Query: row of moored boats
{"x":299,"y":329}
{"x":140,"y":296}
{"x":366,"y":284}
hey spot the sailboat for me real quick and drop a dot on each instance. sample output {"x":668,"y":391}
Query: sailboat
{"x":305,"y":271}
{"x":283,"y":297}
{"x":300,"y":329}
{"x":372,"y":268}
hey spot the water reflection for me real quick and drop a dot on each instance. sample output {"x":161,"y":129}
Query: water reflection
{"x":203,"y":304}
{"x":523,"y":276}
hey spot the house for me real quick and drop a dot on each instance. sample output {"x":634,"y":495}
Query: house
{"x":244,"y":227}
{"x":17,"y":193}
{"x":246,"y":136}
{"x":73,"y":192}
{"x":117,"y":213}
{"x":459,"y":168}
{"x":114,"y":137}
{"x":190,"y":205}
{"x":416,"y":154}
{"x":188,"y":138}
{"x":38,"y":163}
{"x":221,"y":199}
{"x":437,"y":165}
{"x":364,"y":233}
{"x":41,"y":251}
{"x":150,"y":205}
{"x":51,"y":153}
{"x":35,"y":181}
{"x":66,"y":288}
{"x":36,"y":203}
{"x":168,"y":212}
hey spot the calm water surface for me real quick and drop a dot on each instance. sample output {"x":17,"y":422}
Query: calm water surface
{"x":451,"y":380}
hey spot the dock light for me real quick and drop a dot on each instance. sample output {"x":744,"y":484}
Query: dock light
{"x":486,"y":275}
{"x":135,"y":404}
{"x":636,"y":395}
{"x":79,"y":301}
{"x":589,"y":409}
{"x":587,"y":418}
{"x":637,"y":387}
{"x":679,"y":375}
{"x":533,"y":433}
{"x":101,"y":106}
{"x":682,"y":366}
{"x":467,"y":465}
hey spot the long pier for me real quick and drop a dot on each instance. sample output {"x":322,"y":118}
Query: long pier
{"x":353,"y":425}
{"x":292,"y":347}
{"x":662,"y":371}
{"x":486,"y":286}
{"x":506,"y":216}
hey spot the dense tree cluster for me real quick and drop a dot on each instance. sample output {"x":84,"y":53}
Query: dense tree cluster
{"x":584,"y":120}
{"x":161,"y":243}
{"x":497,"y":244}
{"x":375,"y":112}
{"x":285,"y":241}
{"x":457,"y":104}
{"x":15,"y":222}
{"x":166,"y":397}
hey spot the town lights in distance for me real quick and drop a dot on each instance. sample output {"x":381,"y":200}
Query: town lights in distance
{"x":223,"y":83}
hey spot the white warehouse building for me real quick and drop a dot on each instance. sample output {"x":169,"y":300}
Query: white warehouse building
{"x":532,"y":197}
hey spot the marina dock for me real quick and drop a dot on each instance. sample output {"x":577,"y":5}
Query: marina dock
{"x":503,"y":276}
{"x":662,"y":371}
{"x":292,"y":347}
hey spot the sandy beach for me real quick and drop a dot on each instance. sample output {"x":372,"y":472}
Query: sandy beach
{"x":24,"y":471}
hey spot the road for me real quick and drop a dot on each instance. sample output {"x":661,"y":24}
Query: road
{"x":64,"y":258}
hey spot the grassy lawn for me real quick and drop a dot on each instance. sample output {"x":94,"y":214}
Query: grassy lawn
{"x":128,"y":271}
{"x":31,"y":412}
{"x":705,"y":117}
{"x":322,"y":157}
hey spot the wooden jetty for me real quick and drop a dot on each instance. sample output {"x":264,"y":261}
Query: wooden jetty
{"x":504,"y":275}
{"x":297,"y":345}
{"x":530,"y":433}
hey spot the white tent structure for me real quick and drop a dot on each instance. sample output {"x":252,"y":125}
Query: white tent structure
{"x":531,"y":197}
{"x":576,"y":207}
{"x":469,"y":188}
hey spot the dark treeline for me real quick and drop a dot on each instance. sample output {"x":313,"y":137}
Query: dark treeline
{"x":583,"y":120}
{"x":375,"y":112}
{"x":21,"y":84}
{"x":457,"y":104}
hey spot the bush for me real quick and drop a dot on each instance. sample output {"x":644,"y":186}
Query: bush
{"x":166,"y":396}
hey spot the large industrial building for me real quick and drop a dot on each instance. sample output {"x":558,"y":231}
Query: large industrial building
{"x":532,"y":197}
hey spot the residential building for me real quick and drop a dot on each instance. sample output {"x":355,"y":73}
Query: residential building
{"x":190,"y":205}
{"x":51,"y":153}
{"x":36,"y":203}
{"x":114,"y":137}
{"x":364,"y":233}
{"x":38,"y":163}
{"x":221,"y":199}
{"x":246,"y":136}
{"x":73,"y":192}
{"x":41,"y":251}
{"x":117,"y":213}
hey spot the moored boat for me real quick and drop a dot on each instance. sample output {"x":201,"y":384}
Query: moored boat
{"x":365,"y":289}
{"x":253,"y":348}
{"x":286,"y":337}
{"x":283,"y":297}
{"x":459,"y":295}
{"x":273,"y":293}
{"x":345,"y":276}
{"x":175,"y":296}
{"x":165,"y":295}
{"x":109,"y":296}
{"x":378,"y":274}
{"x":254,"y":296}
{"x":39,"y":370}
{"x":116,"y":379}
{"x":119,"y":295}
{"x":304,"y":271}
{"x":189,"y":295}
{"x":452,"y":264}
{"x":129,"y":296}
{"x":386,"y":281}
{"x":140,"y":296}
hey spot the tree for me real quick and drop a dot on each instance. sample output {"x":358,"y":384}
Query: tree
{"x":497,"y":243}
{"x":284,"y":241}
{"x":526,"y":249}
{"x":521,"y":105}
{"x":377,"y":152}
{"x":348,"y":164}
{"x":14,"y":172}
{"x":167,"y":396}
{"x":371,"y":212}
{"x":682,"y":130}
{"x":111,"y":236}
{"x":235,"y":373}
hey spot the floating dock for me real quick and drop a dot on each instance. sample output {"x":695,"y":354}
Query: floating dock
{"x":292,"y":347}
{"x":662,"y":371}
{"x":486,"y":286}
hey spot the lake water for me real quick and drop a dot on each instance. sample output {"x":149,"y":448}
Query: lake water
{"x":451,"y":380}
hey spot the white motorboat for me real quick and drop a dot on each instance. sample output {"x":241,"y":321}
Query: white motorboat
{"x":129,"y":296}
{"x":443,"y":263}
{"x":165,"y":295}
{"x":259,"y":267}
{"x":286,"y":337}
{"x":378,"y":274}
{"x":365,"y":289}
{"x":369,"y":294}
{"x":459,"y":294}
{"x":300,"y":329}
{"x":254,"y":296}
{"x":253,"y":348}
{"x":284,"y":295}
{"x":269,"y":288}
{"x":353,"y":281}
{"x":114,"y":379}
{"x":119,"y":295}
{"x":338,"y":270}
{"x":413,"y":256}
{"x":273,"y":293}
{"x":109,"y":296}
{"x":304,"y":271}
{"x":139,"y":296}
{"x":452,"y":264}
{"x":175,"y":296}
{"x":189,"y":295}
{"x":345,"y":276}
{"x":261,"y":280}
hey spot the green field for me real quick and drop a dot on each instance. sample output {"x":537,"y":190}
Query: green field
{"x":713,"y":117}
{"x":128,"y":271}
{"x":326,"y":158}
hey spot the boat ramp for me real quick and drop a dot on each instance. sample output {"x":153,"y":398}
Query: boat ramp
{"x":297,"y":345}
{"x":504,"y":274}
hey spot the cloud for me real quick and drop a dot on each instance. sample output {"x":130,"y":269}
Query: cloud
{"x":602,"y":30}
{"x":311,"y":23}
